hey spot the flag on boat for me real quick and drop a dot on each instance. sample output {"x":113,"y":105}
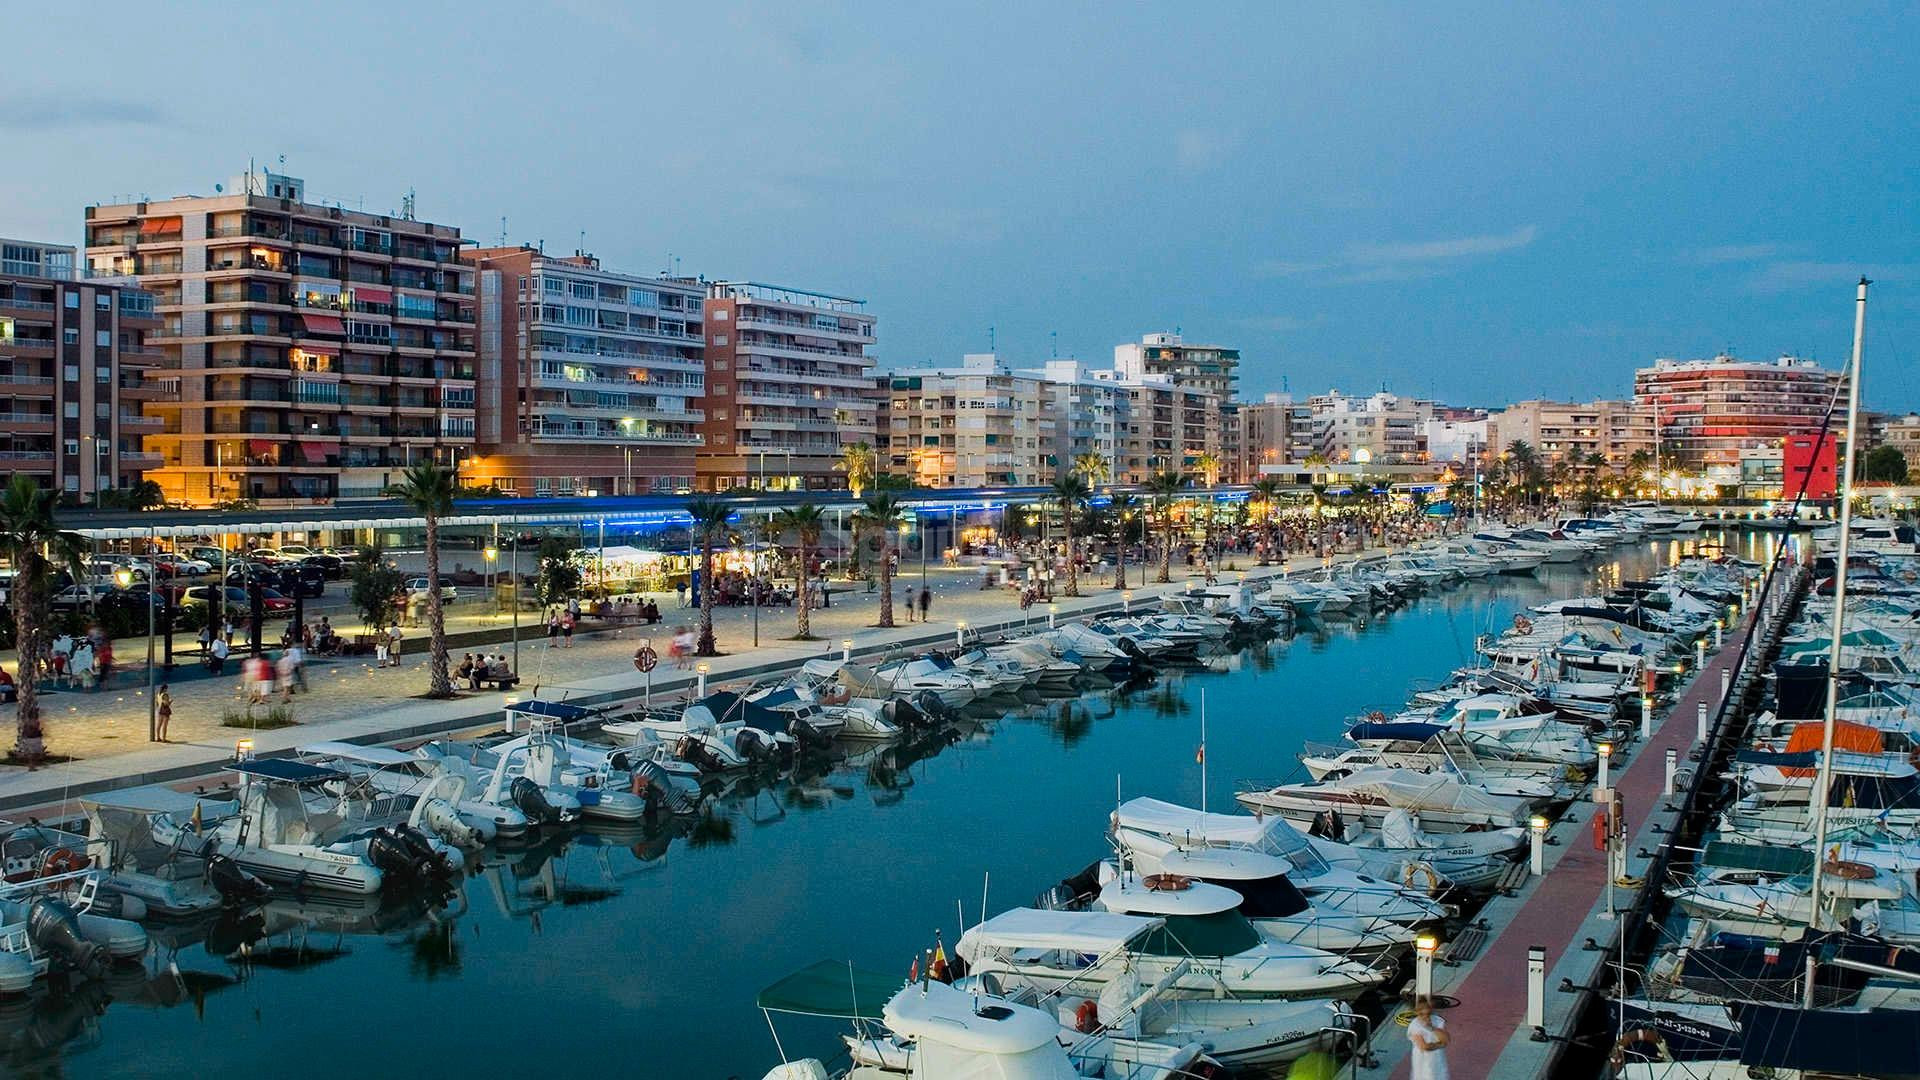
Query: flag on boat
{"x":1200,"y":755}
{"x":938,"y":968}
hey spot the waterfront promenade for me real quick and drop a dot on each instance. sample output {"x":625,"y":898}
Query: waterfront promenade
{"x":104,"y":731}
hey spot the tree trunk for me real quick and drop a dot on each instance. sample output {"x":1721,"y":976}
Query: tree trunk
{"x":29,"y":742}
{"x":438,"y":685}
{"x":1073,"y":564}
{"x":1166,"y":548}
{"x":886,"y":583}
{"x":706,"y":646}
{"x":1120,"y":554}
{"x":803,"y":615}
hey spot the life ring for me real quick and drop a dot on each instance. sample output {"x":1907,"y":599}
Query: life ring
{"x":1649,"y":1036}
{"x":62,"y":861}
{"x":1167,"y":882}
{"x":1376,"y":717}
{"x":1523,"y":624}
{"x":1086,"y":1016}
{"x":1435,"y":883}
{"x":1847,"y":870}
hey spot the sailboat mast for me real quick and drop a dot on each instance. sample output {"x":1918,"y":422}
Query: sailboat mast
{"x":1203,"y":751}
{"x":1838,"y":628}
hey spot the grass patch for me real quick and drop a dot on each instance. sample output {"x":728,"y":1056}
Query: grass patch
{"x":275,"y":716}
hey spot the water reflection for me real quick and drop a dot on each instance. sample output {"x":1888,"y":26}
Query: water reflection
{"x":664,"y":930}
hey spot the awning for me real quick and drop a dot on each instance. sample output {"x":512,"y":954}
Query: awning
{"x":322,"y":324}
{"x":260,"y":446}
{"x":831,"y":988}
{"x":315,"y":453}
{"x":155,"y":225}
{"x":319,"y":348}
{"x":367,"y":294}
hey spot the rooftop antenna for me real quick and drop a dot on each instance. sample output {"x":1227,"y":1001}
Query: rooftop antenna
{"x":503,"y":230}
{"x":582,"y":249}
{"x":406,"y":206}
{"x":990,"y":339}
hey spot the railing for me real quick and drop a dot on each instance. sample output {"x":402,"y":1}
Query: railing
{"x":26,"y":455}
{"x":27,"y":418}
{"x":27,"y":343}
{"x":25,"y":305}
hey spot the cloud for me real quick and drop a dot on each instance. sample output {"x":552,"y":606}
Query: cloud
{"x":55,"y":112}
{"x":1791,"y":276}
{"x":1729,"y":253}
{"x":1279,"y":324}
{"x":1376,"y":262}
{"x":1198,"y":150}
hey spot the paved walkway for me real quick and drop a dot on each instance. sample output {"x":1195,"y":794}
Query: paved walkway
{"x":351,"y":700}
{"x":1561,"y":910}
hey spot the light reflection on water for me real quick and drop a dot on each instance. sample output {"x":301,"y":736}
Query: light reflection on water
{"x":641,"y":951}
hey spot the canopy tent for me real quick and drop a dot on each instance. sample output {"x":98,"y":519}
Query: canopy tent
{"x":290,"y":772}
{"x":1392,"y":732}
{"x":563,"y":711}
{"x":381,"y":756}
{"x":1174,"y":821}
{"x":831,"y":988}
{"x":1095,"y":932}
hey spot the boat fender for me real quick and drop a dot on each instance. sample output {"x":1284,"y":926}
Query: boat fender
{"x":1086,"y":1016}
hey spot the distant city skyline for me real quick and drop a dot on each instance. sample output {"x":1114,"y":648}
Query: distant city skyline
{"x":1478,"y":205}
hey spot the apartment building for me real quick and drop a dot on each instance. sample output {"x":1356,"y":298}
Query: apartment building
{"x":311,"y":352}
{"x":1276,"y":430}
{"x":1709,"y":410}
{"x":977,"y":425}
{"x":1903,"y":434}
{"x":1383,"y":428}
{"x":1212,"y":368}
{"x":1089,"y":414}
{"x":1559,"y":430}
{"x":1460,"y":441}
{"x":1166,"y":427}
{"x":73,"y":363}
{"x":586,"y":380}
{"x":789,"y":382}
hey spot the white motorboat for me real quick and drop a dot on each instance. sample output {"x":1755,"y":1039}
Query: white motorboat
{"x":274,"y":831}
{"x":1441,"y":803}
{"x":1257,"y":886}
{"x":932,"y":674}
{"x":434,"y":798}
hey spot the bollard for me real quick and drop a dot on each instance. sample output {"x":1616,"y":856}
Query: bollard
{"x":1537,"y":990}
{"x":1126,"y":602}
{"x":1673,"y":768}
{"x":1539,"y":841}
{"x":1726,"y":682}
{"x":702,"y":672}
{"x":1646,"y":717}
{"x":960,"y":634}
{"x":846,"y":650}
{"x":1701,"y":718}
{"x":1719,"y":632}
{"x":1423,"y":947}
{"x":1700,"y":654}
{"x":1606,"y":755}
{"x":1052,"y":611}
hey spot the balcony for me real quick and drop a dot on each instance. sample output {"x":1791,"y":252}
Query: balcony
{"x":22,"y":304}
{"x":27,"y":344}
{"x":562,"y":432}
{"x":27,"y":455}
{"x":25,"y":380}
{"x":26,"y":419}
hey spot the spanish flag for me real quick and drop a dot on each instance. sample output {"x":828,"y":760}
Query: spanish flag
{"x":1200,"y":755}
{"x":938,"y":968}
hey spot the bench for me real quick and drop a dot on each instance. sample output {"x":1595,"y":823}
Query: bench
{"x":498,"y":682}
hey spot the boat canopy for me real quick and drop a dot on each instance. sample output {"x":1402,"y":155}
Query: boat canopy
{"x":1392,"y":732}
{"x":284,"y":771}
{"x":951,"y":1028}
{"x":382,"y":756}
{"x":1094,"y":932}
{"x":564,"y":711}
{"x":831,"y":988}
{"x":1131,"y":894}
{"x":1871,"y":1042}
{"x":1764,"y":858}
{"x":1173,"y":821}
{"x":729,"y":707}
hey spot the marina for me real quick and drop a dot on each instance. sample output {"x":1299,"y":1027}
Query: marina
{"x":879,"y":850}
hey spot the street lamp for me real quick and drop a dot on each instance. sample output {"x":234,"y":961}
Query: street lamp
{"x":492,"y":555}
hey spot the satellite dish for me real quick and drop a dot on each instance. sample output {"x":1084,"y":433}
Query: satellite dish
{"x":217,"y":188}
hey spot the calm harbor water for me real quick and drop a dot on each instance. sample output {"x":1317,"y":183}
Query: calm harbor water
{"x":642,"y":953}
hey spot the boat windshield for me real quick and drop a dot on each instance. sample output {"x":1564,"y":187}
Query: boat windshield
{"x":1224,"y":933}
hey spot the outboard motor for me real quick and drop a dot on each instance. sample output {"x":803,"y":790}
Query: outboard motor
{"x":235,"y":930}
{"x":389,"y":854}
{"x":531,"y":801}
{"x":659,"y":788}
{"x":754,"y":746}
{"x":54,"y":929}
{"x":428,"y":860}
{"x":932,"y":707}
{"x":232,"y":881}
{"x":1134,"y":652}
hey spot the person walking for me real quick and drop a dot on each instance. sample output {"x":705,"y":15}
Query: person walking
{"x":162,"y":711}
{"x":1428,"y":1034}
{"x":217,"y":656}
{"x":926,"y":602}
{"x":393,"y":644}
{"x":297,"y":661}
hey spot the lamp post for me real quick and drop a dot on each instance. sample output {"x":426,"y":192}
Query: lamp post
{"x":1605,"y":751}
{"x":1537,"y":836}
{"x":492,"y":555}
{"x":513,"y":575}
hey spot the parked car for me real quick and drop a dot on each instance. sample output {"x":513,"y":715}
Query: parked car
{"x":302,"y":579}
{"x":75,"y":598}
{"x":182,"y":565}
{"x":212,"y":556}
{"x":417,"y":590}
{"x":332,"y":566}
{"x":272,"y":601}
{"x":295,"y":551}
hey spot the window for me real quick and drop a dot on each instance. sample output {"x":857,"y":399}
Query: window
{"x":583,"y":290}
{"x":553,"y":285}
{"x":102,"y":373}
{"x":102,"y":301}
{"x":720,"y":315}
{"x":72,"y":373}
{"x":73,"y":447}
{"x":73,"y":300}
{"x":73,"y":410}
{"x":719,"y":339}
{"x":70,"y":335}
{"x":103,"y":338}
{"x":103,"y":411}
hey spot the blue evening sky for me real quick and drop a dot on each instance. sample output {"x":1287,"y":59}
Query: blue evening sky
{"x":1479,"y":202}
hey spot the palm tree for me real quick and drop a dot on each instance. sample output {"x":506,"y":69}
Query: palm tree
{"x":882,"y":513}
{"x":806,"y":522}
{"x":1093,"y":467}
{"x":1266,"y":492}
{"x":709,"y":525}
{"x":1071,"y":492}
{"x":428,"y":488}
{"x":1209,"y":465}
{"x":1122,"y":507}
{"x":33,"y":542}
{"x":1166,"y":486}
{"x":856,"y":460}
